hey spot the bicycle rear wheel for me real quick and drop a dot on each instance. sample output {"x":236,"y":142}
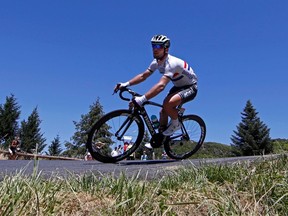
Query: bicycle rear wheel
{"x":107,"y":137}
{"x":187,"y":141}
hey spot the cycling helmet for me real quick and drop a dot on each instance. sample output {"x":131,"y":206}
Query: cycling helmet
{"x":161,"y":39}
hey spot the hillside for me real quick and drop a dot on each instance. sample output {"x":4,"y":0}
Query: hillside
{"x":214,"y":150}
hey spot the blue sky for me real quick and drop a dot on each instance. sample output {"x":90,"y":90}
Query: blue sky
{"x":60,"y":56}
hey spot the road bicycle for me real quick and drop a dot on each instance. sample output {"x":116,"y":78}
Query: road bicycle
{"x":108,"y":136}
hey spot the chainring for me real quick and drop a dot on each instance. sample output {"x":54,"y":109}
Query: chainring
{"x":158,"y":140}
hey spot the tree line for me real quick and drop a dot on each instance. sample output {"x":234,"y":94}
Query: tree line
{"x":28,"y":130}
{"x":31,"y":136}
{"x":251,"y":137}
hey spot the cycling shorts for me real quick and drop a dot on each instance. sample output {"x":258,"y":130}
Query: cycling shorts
{"x":187,"y":93}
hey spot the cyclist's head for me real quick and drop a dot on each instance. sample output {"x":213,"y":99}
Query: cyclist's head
{"x":159,"y":43}
{"x":161,"y":40}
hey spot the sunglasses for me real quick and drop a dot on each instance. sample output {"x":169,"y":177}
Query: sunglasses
{"x":157,"y":46}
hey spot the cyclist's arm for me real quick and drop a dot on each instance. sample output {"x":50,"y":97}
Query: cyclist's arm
{"x":140,"y":77}
{"x":157,"y":88}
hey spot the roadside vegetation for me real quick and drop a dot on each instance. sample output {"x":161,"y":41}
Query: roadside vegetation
{"x":249,"y":188}
{"x":250,"y":137}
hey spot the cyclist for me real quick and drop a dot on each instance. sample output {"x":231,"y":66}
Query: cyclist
{"x":173,"y":69}
{"x":14,"y":147}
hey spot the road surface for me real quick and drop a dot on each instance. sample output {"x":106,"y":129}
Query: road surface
{"x":149,"y":169}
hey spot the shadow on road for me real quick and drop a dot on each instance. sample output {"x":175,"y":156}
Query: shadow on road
{"x":138,"y":162}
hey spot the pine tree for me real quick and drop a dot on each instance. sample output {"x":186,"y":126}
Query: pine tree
{"x":252,"y":136}
{"x":55,"y":148}
{"x":9,"y":115}
{"x":77,"y":145}
{"x":71,"y":150}
{"x":31,"y":136}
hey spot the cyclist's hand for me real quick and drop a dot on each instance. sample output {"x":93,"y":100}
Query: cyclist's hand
{"x":121,"y":85}
{"x":140,"y":100}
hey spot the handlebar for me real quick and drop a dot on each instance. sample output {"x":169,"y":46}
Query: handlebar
{"x":125,"y":89}
{"x":134,"y":94}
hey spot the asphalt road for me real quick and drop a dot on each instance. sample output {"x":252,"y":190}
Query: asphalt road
{"x":144,"y":169}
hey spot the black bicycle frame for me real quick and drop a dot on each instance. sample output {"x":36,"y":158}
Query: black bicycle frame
{"x":146,"y":118}
{"x":129,"y":121}
{"x":142,"y":112}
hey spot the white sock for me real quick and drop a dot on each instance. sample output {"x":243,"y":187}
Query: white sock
{"x":175,"y":122}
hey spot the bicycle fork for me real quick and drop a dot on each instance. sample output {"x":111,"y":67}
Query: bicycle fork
{"x":126,"y":124}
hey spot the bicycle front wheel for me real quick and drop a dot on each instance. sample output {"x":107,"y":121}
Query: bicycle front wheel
{"x":187,"y":141}
{"x":115,"y":136}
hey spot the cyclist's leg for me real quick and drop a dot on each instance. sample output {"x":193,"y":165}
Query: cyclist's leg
{"x":188,"y":94}
{"x":176,"y":97}
{"x":169,"y":106}
{"x":171,"y":110}
{"x":163,"y":121}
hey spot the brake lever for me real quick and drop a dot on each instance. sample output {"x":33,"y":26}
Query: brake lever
{"x":116,"y":89}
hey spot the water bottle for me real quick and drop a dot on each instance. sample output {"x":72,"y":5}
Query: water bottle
{"x":155,"y":121}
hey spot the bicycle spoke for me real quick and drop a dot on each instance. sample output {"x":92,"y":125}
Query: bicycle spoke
{"x":188,"y":140}
{"x":110,"y":134}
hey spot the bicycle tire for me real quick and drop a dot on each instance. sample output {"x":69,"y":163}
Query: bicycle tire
{"x":180,"y":147}
{"x":102,"y":138}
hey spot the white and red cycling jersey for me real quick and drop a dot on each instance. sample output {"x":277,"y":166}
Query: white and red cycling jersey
{"x":177,"y":70}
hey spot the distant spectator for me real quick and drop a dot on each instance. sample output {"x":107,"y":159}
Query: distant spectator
{"x":99,"y":145}
{"x":132,"y":156}
{"x":88,"y":157}
{"x":164,"y":155}
{"x":126,"y":144}
{"x":144,"y":156}
{"x":14,"y":146}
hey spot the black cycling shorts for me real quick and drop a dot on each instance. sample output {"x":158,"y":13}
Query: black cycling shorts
{"x":187,"y":93}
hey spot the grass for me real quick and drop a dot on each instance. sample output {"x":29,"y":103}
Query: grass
{"x":258,"y":188}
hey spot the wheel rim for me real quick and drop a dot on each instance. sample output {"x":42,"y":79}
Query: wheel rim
{"x":109,"y":147}
{"x":181,"y":147}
